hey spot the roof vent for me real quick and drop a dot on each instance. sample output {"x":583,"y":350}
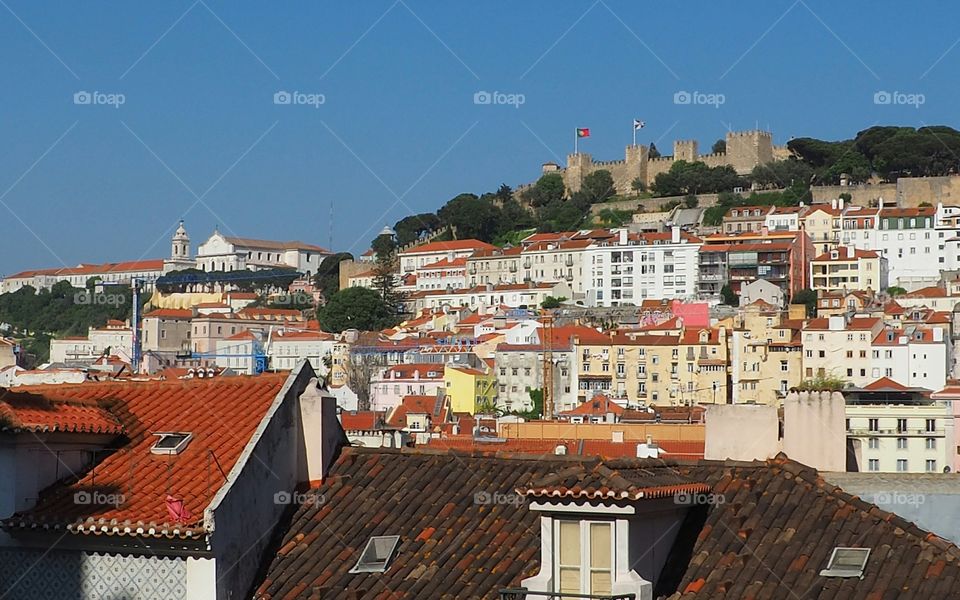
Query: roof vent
{"x":376,"y":556}
{"x":560,"y":450}
{"x":846,"y":562}
{"x":170,"y":443}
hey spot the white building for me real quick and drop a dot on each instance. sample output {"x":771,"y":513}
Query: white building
{"x":444,"y":274}
{"x":917,"y":357}
{"x":412,"y":259}
{"x":556,"y":260}
{"x":115,"y":337}
{"x":631,"y":267}
{"x":223,"y":253}
{"x":489,"y":297}
{"x":287,"y":348}
{"x":121,"y":275}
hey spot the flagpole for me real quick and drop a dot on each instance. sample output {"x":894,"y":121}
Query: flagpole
{"x":634,"y":133}
{"x":576,"y":140}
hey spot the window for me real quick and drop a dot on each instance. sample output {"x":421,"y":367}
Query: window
{"x":931,"y":465}
{"x":377,"y":554}
{"x":873,"y":464}
{"x":873,"y":424}
{"x":931,"y":424}
{"x":170,"y":443}
{"x":901,"y":425}
{"x":901,"y":465}
{"x":584,"y":557}
{"x":901,"y":443}
{"x":931,"y":443}
{"x":873,"y":443}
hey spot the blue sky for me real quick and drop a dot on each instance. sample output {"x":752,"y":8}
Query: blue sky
{"x":198,"y":135}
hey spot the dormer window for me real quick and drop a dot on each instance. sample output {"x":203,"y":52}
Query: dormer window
{"x":171,"y":443}
{"x":584,"y":551}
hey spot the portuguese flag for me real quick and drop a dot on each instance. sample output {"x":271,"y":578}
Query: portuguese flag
{"x":583,"y":132}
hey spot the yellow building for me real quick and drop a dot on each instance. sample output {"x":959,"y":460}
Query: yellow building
{"x":822,"y":224}
{"x":766,"y":354}
{"x":469,"y":388}
{"x":846,"y":268}
{"x":654,"y":368}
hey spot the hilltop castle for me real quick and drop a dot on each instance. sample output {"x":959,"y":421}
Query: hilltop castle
{"x":745,"y":150}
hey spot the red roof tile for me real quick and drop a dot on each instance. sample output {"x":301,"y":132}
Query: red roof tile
{"x":24,"y":411}
{"x":220,"y":413}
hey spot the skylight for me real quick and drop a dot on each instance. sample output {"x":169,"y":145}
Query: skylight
{"x":846,"y":562}
{"x":170,"y":442}
{"x":376,"y":556}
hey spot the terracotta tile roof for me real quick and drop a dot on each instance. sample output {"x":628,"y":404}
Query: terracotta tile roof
{"x":770,"y":536}
{"x":445,"y":264}
{"x":220,"y":413}
{"x":932,"y":291}
{"x":24,"y":411}
{"x":436,"y":407}
{"x":599,"y":405}
{"x":411,"y":370}
{"x":922,"y":211}
{"x":885,"y":384}
{"x":361,"y":420}
{"x":843,"y":255}
{"x":600,"y":482}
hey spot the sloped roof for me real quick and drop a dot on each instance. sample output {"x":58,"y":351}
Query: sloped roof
{"x":25,"y":411}
{"x":221,"y":414}
{"x":599,"y":482}
{"x":600,"y":404}
{"x":769,"y":536}
{"x":274,"y":245}
{"x":449,"y":246}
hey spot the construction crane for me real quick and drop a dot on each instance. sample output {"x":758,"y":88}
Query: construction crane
{"x":546,"y":337}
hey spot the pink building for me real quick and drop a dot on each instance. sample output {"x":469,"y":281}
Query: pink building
{"x":421,"y":379}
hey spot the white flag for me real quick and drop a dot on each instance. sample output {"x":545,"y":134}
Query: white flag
{"x":638,"y":124}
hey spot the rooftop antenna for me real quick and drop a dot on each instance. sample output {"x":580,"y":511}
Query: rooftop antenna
{"x":330,"y":238}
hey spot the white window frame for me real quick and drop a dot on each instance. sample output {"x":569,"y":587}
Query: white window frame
{"x":584,"y":566}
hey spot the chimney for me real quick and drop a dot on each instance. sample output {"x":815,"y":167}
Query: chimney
{"x":851,"y":252}
{"x":674,"y":234}
{"x":833,"y":204}
{"x":840,"y":203}
{"x":623,"y":237}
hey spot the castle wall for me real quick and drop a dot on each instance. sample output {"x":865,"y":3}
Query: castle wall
{"x":906,"y":192}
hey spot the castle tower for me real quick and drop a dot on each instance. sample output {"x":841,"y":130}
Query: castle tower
{"x":747,"y":149}
{"x":635,"y":166}
{"x":180,"y":244}
{"x":578,"y":166}
{"x":685,"y":150}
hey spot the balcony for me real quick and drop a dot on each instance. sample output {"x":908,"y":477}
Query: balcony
{"x":569,"y":261}
{"x":527,"y":264}
{"x":513,"y":268}
{"x":621,"y":375}
{"x":472,"y":268}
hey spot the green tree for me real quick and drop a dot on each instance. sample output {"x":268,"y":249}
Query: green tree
{"x":598,"y":186}
{"x":327,"y":278}
{"x":895,"y":291}
{"x":549,"y":188}
{"x":807,"y":297}
{"x":719,"y":146}
{"x":638,"y":185}
{"x":356,"y":308}
{"x":691,"y":201}
{"x":728,"y":296}
{"x":410,"y":229}
{"x":471,"y":217}
{"x":551,"y":302}
{"x":653,"y":152}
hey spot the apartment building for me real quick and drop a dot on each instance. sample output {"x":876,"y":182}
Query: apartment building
{"x":444,"y":274}
{"x":782,"y":258}
{"x":638,"y":368}
{"x":840,"y":347}
{"x":497,"y":265}
{"x":746,"y":218}
{"x":560,"y":260}
{"x":846,"y":268}
{"x":766,"y":354}
{"x":489,"y":297}
{"x":166,"y":330}
{"x":917,"y":357}
{"x":821,"y":223}
{"x":412,"y":259}
{"x":900,"y":429}
{"x":630,"y":267}
{"x":785,"y":218}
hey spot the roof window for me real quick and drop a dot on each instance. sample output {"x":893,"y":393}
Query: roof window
{"x":846,"y":562}
{"x":170,"y":442}
{"x":376,"y":556}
